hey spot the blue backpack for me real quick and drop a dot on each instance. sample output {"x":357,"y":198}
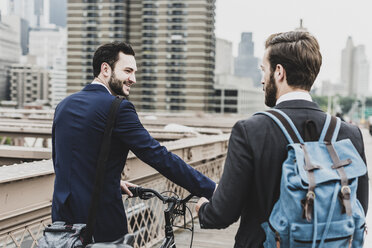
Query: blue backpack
{"x":317,"y":205}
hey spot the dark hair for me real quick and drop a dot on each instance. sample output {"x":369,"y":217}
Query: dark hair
{"x":298,"y":53}
{"x":109,"y":53}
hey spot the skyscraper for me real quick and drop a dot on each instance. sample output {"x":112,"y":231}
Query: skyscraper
{"x":224,"y":57}
{"x":91,"y":23}
{"x":24,"y":9}
{"x":175,"y":46}
{"x":354,"y":69}
{"x":10,"y":52}
{"x":58,"y":12}
{"x":44,"y":43}
{"x":246,"y":65}
{"x":173,"y":40}
{"x":233,"y":94}
{"x":29,"y":84}
{"x":58,"y":75}
{"x":39,"y":10}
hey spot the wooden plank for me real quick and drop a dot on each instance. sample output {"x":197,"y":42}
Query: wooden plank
{"x":206,"y":238}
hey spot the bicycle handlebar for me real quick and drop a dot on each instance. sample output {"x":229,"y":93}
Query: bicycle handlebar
{"x":145,"y":194}
{"x":176,"y":207}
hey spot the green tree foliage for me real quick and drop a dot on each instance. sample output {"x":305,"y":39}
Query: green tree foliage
{"x":369,"y":102}
{"x":322,"y":101}
{"x":346,"y":103}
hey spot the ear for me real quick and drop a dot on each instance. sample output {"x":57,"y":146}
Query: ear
{"x":105,"y":69}
{"x":280,"y":73}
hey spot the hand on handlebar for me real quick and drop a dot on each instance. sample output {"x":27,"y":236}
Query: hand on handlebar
{"x":124,"y":185}
{"x":201,"y":201}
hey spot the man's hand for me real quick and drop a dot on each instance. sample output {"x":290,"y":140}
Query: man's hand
{"x":200,"y":202}
{"x":124,"y":187}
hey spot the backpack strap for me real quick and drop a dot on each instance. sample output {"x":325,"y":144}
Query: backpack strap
{"x":293,"y":136}
{"x":329,"y":139}
{"x":330,"y":129}
{"x":286,"y":125}
{"x":101,"y":169}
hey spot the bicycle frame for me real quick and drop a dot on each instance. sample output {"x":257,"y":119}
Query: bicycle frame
{"x":169,"y":212}
{"x":169,"y":235}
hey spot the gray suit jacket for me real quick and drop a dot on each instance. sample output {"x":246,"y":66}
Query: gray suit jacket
{"x":250,"y":184}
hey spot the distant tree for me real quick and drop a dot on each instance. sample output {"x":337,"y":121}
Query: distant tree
{"x":322,"y":101}
{"x":369,"y":102}
{"x":346,"y":103}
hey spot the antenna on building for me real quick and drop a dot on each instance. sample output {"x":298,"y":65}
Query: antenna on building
{"x":301,"y":27}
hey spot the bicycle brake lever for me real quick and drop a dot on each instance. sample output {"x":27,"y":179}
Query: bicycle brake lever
{"x":146,"y":195}
{"x":136,"y":191}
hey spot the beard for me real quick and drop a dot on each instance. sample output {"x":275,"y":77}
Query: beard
{"x":116,"y":85}
{"x":270,"y":92}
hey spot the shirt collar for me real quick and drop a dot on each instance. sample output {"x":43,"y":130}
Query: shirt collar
{"x":96,"y":82}
{"x":295,"y":95}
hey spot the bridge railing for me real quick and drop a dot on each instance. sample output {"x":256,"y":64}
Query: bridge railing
{"x":26,"y":192}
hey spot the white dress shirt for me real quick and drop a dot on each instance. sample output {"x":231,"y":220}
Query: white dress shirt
{"x":96,"y":82}
{"x":294,"y":95}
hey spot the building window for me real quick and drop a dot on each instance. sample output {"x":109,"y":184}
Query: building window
{"x":149,"y":5}
{"x":149,"y":35}
{"x":116,"y":29}
{"x":148,"y":63}
{"x":177,"y":79}
{"x":176,"y":5}
{"x":172,"y":107}
{"x":151,"y":49}
{"x":148,"y":42}
{"x":149,"y":78}
{"x":117,"y":14}
{"x":149,"y":20}
{"x":230,"y":110}
{"x":148,"y":92}
{"x":117,"y":22}
{"x":91,"y":29}
{"x":147,"y":12}
{"x":175,"y":63}
{"x":90,"y":14}
{"x":231,"y":101}
{"x":231,"y":93}
{"x":148,"y":107}
{"x":148,"y":85}
{"x":149,"y":56}
{"x":175,"y":71}
{"x":176,"y":20}
{"x":149,"y":28}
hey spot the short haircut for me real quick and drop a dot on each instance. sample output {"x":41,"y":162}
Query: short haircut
{"x":109,"y":53}
{"x":298,"y":52}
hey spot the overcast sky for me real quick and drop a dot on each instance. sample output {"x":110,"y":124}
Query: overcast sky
{"x":330,"y":21}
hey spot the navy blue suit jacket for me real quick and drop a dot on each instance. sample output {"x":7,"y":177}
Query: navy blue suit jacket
{"x":78,"y":127}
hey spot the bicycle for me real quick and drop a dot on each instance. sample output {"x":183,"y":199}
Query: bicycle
{"x":176,"y":207}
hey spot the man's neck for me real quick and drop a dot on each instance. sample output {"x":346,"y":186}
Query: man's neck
{"x":98,"y":81}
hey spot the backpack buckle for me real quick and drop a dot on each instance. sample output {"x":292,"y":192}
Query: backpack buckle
{"x":308,"y":205}
{"x":344,"y":197}
{"x":345,"y":190}
{"x":310,"y":195}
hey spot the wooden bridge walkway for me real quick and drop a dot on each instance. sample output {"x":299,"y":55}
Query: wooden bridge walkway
{"x":206,"y":238}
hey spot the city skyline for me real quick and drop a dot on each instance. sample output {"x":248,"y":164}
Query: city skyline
{"x":332,"y":33}
{"x":331,"y":22}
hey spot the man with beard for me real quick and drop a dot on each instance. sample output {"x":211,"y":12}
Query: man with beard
{"x":250,"y":184}
{"x":78,"y":127}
